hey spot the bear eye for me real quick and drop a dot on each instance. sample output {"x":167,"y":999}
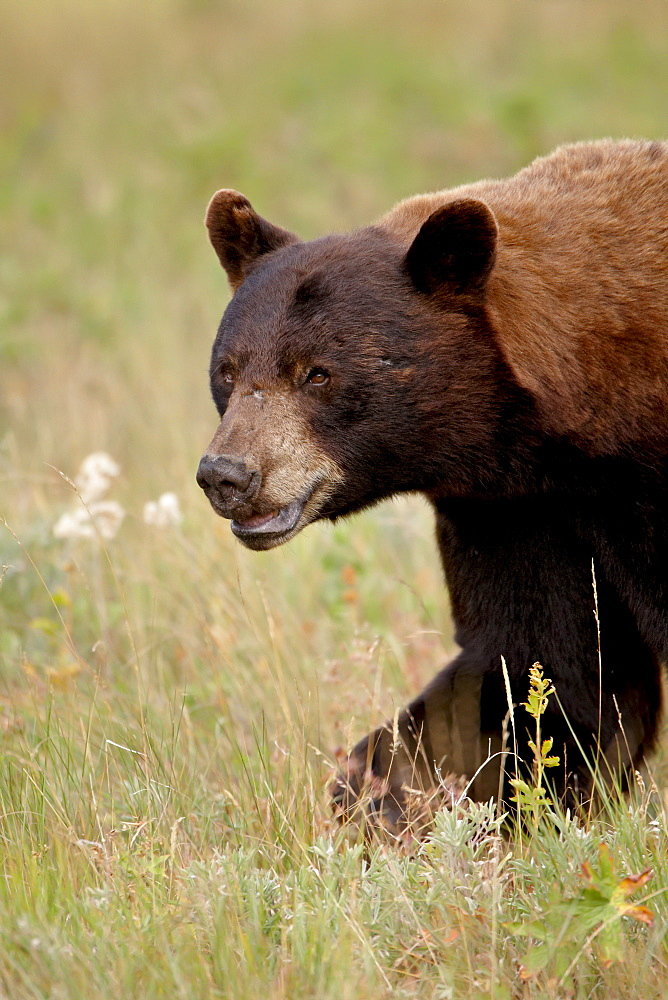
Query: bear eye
{"x":317,"y":376}
{"x":228,"y":378}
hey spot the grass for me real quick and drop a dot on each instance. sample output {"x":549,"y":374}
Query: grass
{"x":169,"y":703}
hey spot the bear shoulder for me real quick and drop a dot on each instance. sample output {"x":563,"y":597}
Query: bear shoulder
{"x":578,"y":296}
{"x":587,"y":173}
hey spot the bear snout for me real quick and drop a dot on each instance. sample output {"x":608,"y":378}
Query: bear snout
{"x":227,"y":482}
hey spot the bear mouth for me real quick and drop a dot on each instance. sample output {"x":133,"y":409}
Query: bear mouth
{"x":264,"y":531}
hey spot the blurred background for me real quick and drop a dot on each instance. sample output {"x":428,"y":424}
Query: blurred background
{"x":118,"y":120}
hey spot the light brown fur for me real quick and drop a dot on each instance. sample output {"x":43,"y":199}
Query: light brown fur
{"x":267,"y":427}
{"x":580,"y":267}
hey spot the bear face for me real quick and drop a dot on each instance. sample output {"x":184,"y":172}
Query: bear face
{"x":347,"y":369}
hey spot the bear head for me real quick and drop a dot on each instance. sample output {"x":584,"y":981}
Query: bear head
{"x":351,"y":368}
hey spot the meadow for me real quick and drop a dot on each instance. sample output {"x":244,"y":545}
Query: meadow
{"x":171,"y":704}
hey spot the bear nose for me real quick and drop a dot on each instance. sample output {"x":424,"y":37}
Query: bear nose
{"x":228,"y":476}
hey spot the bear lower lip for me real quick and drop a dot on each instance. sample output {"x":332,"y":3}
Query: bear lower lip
{"x":253,"y":523}
{"x":275,"y":523}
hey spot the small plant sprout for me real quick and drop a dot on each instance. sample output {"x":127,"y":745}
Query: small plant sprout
{"x":591,"y":920}
{"x":534,"y":797}
{"x":164,"y":512}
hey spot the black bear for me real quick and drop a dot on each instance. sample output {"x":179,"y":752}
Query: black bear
{"x":501,"y":348}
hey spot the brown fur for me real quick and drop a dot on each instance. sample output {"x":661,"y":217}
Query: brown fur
{"x":501,"y":348}
{"x":267,"y":427}
{"x":578,"y":290}
{"x":236,"y":238}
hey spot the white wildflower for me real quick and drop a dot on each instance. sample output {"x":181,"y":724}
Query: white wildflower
{"x":101,"y":519}
{"x":164,"y":512}
{"x":95,"y":475}
{"x":95,"y":518}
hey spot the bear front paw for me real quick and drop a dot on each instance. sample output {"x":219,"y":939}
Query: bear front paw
{"x":392,"y":808}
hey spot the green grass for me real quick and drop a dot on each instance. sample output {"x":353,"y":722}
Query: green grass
{"x":170,"y":704}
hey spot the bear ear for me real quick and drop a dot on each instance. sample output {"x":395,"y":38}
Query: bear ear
{"x":239,"y":235}
{"x":454,"y":250}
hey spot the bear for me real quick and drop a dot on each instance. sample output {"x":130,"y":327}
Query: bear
{"x":502,"y":349}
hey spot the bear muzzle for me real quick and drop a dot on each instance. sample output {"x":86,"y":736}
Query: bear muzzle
{"x":233,"y":491}
{"x":228,"y":483}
